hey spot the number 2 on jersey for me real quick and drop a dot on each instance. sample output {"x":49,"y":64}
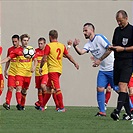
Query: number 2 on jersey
{"x":59,"y":52}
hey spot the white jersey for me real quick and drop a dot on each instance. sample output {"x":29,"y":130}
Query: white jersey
{"x":97,"y":47}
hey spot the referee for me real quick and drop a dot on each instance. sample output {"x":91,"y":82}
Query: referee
{"x":123,"y":54}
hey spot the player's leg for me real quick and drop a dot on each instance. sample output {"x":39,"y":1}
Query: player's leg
{"x":25,"y":87}
{"x":1,"y":84}
{"x":47,"y":92}
{"x":107,"y":95}
{"x":44,"y":81}
{"x":56,"y":85}
{"x":55,"y":99}
{"x":47,"y":95}
{"x":19,"y":84}
{"x":101,"y":84}
{"x":39,"y":90}
{"x":11,"y":85}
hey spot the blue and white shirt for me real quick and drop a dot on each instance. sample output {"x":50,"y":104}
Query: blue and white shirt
{"x":97,"y":47}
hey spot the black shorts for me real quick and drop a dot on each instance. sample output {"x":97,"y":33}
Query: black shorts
{"x":122,"y":70}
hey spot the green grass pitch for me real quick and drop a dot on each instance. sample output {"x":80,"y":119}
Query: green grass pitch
{"x":74,"y":120}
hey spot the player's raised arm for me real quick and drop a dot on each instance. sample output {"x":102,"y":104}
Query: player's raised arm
{"x":77,"y":49}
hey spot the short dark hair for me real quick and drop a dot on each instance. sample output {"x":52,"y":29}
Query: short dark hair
{"x":42,"y":39}
{"x":53,"y":34}
{"x":124,"y":14}
{"x":15,"y":36}
{"x":90,"y":24}
{"x":23,"y":36}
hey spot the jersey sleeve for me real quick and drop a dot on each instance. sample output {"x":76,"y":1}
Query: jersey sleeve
{"x":13,"y":54}
{"x":86,"y":47}
{"x":103,"y":41}
{"x":47,"y":50}
{"x":35,"y":56}
{"x":0,"y":50}
{"x":65,"y":51}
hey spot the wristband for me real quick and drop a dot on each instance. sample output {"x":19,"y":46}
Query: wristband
{"x":69,"y":46}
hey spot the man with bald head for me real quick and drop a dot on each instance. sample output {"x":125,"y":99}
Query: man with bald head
{"x":123,"y":64}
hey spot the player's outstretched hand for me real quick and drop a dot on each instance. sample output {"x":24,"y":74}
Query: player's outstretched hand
{"x":76,"y":65}
{"x":69,"y":42}
{"x":76,"y":42}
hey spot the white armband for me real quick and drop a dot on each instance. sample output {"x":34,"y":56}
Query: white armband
{"x":69,"y":46}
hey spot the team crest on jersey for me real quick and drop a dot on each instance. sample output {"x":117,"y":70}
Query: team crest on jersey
{"x":124,"y":41}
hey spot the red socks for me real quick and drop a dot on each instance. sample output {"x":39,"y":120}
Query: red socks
{"x":23,"y":99}
{"x":18,"y":97}
{"x":55,"y":100}
{"x":131,"y":98}
{"x":60,"y":99}
{"x":107,"y":96}
{"x":40,"y":99}
{"x":8,"y":97}
{"x":46,"y":98}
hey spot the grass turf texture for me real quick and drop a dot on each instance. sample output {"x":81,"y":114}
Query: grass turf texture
{"x":74,"y":120}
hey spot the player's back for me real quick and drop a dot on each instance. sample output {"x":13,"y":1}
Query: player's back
{"x":55,"y":56}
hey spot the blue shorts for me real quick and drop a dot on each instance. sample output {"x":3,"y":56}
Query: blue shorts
{"x":104,"y":78}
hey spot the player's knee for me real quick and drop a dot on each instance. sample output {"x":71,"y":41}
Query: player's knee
{"x":24,"y":91}
{"x":18,"y":89}
{"x":39,"y":90}
{"x":10,"y":88}
{"x":100,"y":89}
{"x":43,"y":86}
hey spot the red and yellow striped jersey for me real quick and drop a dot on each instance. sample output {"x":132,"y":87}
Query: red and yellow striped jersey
{"x":39,"y":54}
{"x":55,"y":51}
{"x":23,"y":64}
{"x":12,"y":69}
{"x":0,"y":59}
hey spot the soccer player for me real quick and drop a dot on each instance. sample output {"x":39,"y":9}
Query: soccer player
{"x":123,"y":64}
{"x":1,"y":75}
{"x":41,"y":80}
{"x":10,"y":75}
{"x":53,"y":53}
{"x":98,"y":46}
{"x":24,"y":71}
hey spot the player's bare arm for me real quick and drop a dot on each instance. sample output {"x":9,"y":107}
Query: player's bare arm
{"x":72,"y":60}
{"x":97,"y":62}
{"x":35,"y":64}
{"x":6,"y":68}
{"x":44,"y":59}
{"x":5,"y":60}
{"x":77,"y":49}
{"x":69,"y":44}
